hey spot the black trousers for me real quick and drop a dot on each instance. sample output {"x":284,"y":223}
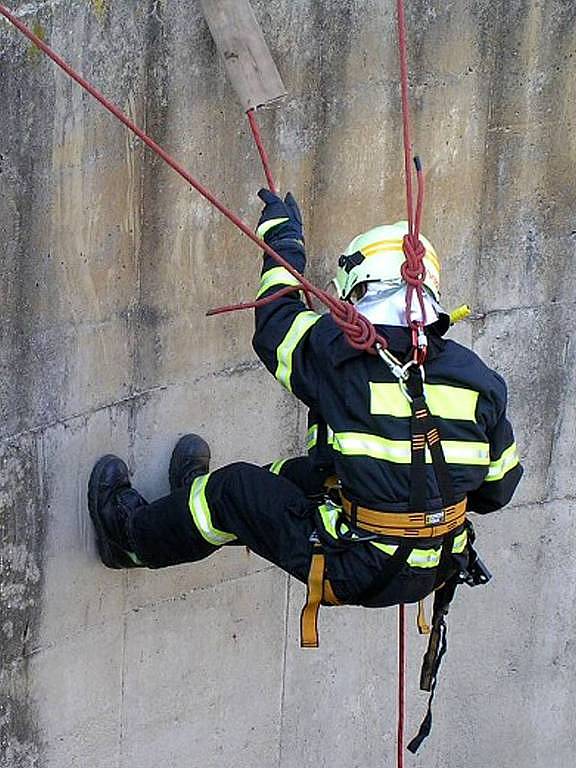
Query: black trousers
{"x":275,"y":517}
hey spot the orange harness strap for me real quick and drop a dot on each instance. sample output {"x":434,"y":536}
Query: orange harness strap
{"x":319,"y":592}
{"x":422,"y":525}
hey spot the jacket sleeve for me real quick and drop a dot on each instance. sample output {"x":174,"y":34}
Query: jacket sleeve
{"x":504,"y":471}
{"x":287,"y":339}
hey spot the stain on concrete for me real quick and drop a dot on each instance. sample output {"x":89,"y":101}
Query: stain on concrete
{"x":34,"y":53}
{"x":21,"y":553}
{"x":100,"y":8}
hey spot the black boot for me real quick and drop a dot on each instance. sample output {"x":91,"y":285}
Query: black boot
{"x":190,"y":459}
{"x":111,"y":500}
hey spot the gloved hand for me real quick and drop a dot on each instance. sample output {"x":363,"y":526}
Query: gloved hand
{"x":280,"y":219}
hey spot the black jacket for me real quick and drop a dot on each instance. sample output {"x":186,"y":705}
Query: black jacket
{"x":360,"y":421}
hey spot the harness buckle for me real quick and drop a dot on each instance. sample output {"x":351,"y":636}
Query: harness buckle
{"x":435,"y":518}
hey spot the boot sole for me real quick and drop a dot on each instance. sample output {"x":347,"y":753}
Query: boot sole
{"x":111,"y":554}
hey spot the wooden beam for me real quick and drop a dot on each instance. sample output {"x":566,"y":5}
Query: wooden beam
{"x":246,"y":55}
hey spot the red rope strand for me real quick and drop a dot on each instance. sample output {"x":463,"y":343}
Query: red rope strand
{"x":413,"y":270}
{"x":360,"y":333}
{"x":404,"y":86}
{"x":414,"y":273}
{"x":401,"y":684}
{"x":251,"y":114}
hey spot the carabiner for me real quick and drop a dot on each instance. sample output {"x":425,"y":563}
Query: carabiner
{"x":404,"y":378}
{"x":395,"y":365}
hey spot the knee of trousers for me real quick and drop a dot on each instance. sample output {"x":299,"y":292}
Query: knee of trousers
{"x":250,"y":478}
{"x":248,"y":484}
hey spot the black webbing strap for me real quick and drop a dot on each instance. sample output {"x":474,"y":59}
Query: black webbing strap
{"x":425,"y":432}
{"x":418,"y":472}
{"x":354,"y":514}
{"x":322,"y":439}
{"x":435,"y":652}
{"x":388,"y":572}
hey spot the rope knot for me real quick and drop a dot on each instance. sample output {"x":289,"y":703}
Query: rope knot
{"x":358,"y":330}
{"x":413,"y":270}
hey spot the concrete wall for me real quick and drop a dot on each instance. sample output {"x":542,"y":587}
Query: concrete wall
{"x":108,"y":265}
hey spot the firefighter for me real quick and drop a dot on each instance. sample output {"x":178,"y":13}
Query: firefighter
{"x":389,"y":529}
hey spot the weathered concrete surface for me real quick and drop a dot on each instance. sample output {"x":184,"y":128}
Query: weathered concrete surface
{"x":108,"y":265}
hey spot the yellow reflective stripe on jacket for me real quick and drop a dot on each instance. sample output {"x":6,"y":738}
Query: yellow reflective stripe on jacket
{"x":424,"y":558}
{"x":301,"y":325}
{"x":330,"y":516}
{"x":460,"y":542}
{"x":201,"y":514}
{"x":500,"y":467}
{"x":276,"y":466}
{"x":312,"y":436}
{"x":274,"y":277}
{"x":399,"y":451}
{"x":389,"y":549}
{"x":418,"y":558}
{"x":266,"y":226}
{"x":444,"y":401}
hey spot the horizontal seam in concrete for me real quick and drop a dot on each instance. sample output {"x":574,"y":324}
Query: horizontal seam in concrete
{"x":134,"y":609}
{"x":521,"y":124}
{"x":539,"y":503}
{"x":528,"y":307}
{"x":284,"y":668}
{"x":194,"y":590}
{"x":83,"y":414}
{"x":240,"y":368}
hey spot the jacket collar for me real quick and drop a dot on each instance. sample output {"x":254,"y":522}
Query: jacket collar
{"x":399,"y":343}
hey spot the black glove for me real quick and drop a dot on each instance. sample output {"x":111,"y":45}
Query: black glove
{"x":280,"y":219}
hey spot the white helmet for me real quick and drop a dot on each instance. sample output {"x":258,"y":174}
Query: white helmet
{"x":377,"y":256}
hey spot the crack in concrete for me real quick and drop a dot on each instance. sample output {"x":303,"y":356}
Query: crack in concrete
{"x":203,"y":588}
{"x":284,"y":666}
{"x":232,"y":370}
{"x":527,"y":505}
{"x":122,"y":694}
{"x":136,"y":608}
{"x":529,"y":307}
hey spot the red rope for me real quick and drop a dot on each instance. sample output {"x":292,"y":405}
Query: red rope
{"x":404,"y":85}
{"x":251,"y":114}
{"x":360,"y":333}
{"x":401,"y":684}
{"x":413,"y":270}
{"x":414,"y":273}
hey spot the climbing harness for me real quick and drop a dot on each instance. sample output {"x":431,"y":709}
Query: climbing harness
{"x":406,"y":525}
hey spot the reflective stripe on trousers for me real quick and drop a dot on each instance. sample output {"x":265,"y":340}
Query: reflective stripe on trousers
{"x":202,"y":516}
